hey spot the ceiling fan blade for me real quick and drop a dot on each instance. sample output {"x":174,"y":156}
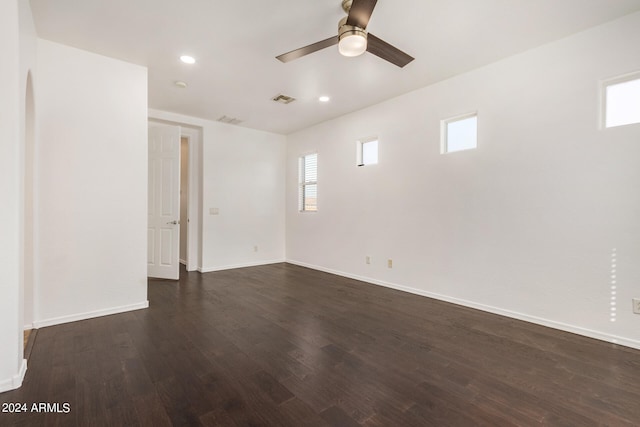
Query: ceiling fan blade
{"x":360,"y":13}
{"x":387,"y":52}
{"x":298,"y":53}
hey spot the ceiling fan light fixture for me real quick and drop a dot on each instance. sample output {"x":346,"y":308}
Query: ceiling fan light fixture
{"x":352,"y":40}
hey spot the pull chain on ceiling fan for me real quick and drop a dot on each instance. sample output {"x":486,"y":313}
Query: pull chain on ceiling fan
{"x":353,"y":39}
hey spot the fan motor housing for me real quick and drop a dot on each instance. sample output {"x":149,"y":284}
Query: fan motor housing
{"x":345,"y":30}
{"x":350,"y":30}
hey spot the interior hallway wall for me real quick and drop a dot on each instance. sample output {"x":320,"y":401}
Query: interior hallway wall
{"x":92,"y":198}
{"x":11,"y":361}
{"x":28,"y":82}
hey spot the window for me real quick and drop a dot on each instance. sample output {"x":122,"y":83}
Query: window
{"x":460,"y":133}
{"x":368,"y":151}
{"x":308,"y":183}
{"x":621,"y":104}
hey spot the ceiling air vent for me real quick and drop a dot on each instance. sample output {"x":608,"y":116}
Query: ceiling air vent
{"x":230,"y":120}
{"x":283,"y":99}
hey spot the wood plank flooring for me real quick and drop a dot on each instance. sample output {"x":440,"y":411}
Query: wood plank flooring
{"x":281,"y":345}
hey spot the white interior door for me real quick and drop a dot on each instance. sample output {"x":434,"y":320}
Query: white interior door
{"x":163,"y":236}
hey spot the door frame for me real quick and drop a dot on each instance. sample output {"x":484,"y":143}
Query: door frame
{"x":193,"y":225}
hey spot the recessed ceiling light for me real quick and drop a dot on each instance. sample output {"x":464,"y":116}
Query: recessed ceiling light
{"x":324,"y":98}
{"x":188,"y":59}
{"x":180,"y":84}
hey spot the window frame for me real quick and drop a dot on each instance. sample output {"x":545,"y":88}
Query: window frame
{"x":444,"y":131}
{"x":303,"y":183}
{"x":604,"y":85}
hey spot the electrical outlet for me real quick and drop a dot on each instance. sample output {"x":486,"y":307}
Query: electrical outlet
{"x":367,"y":259}
{"x":636,"y":305}
{"x":390,"y":263}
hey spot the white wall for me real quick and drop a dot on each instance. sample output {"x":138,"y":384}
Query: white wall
{"x":27,"y":126}
{"x":92,"y":185}
{"x":243,"y":174}
{"x":11,"y":362}
{"x":525,"y":225}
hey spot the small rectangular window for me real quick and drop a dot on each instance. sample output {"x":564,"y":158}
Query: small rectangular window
{"x":368,"y":152}
{"x":621,"y":101}
{"x":460,"y":133}
{"x":308,"y":183}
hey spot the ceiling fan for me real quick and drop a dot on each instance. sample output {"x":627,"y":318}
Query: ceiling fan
{"x":353,"y":39}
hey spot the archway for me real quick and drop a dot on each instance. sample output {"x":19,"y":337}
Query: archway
{"x":28,"y":264}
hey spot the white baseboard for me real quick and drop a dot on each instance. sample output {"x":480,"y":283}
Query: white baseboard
{"x":15,"y":381}
{"x":495,"y":310}
{"x":230,"y":267}
{"x":89,"y":315}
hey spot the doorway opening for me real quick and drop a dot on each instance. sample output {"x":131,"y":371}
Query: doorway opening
{"x":174,"y":199}
{"x":184,"y":200}
{"x":191,"y":223}
{"x":28,"y":211}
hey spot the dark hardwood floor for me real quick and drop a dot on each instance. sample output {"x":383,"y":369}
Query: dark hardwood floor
{"x":282,"y":345}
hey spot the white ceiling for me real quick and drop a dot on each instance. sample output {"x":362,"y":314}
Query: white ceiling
{"x":235,"y":43}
